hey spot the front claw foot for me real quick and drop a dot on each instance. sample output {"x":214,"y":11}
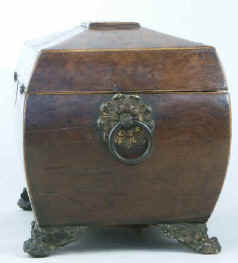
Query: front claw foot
{"x":45,"y":241}
{"x":193,"y":236}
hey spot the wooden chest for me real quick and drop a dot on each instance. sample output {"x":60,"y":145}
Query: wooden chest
{"x":124,"y":126}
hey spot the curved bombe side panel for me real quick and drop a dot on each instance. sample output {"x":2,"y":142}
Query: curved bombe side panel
{"x":74,"y":180}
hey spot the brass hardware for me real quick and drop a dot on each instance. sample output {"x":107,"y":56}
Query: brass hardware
{"x":113,"y":148}
{"x":46,"y":240}
{"x":127,"y":126}
{"x":193,"y":236}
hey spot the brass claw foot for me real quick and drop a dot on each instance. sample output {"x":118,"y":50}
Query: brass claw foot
{"x":193,"y":236}
{"x":45,"y":241}
{"x":24,"y":201}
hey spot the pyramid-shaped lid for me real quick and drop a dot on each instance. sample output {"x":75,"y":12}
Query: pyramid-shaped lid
{"x":113,"y":35}
{"x":150,"y":60}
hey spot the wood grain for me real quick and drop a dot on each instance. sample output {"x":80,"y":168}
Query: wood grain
{"x":73,"y":179}
{"x":122,"y":71}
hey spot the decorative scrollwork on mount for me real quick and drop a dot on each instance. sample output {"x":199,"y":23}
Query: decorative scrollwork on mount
{"x":125,"y":109}
{"x":127,"y":126}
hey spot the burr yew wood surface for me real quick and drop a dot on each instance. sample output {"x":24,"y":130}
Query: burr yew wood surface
{"x":73,"y":178}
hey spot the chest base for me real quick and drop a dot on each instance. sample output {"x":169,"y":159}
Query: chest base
{"x":46,"y":240}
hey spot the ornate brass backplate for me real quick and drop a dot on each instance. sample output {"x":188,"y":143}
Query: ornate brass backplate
{"x":127,"y":126}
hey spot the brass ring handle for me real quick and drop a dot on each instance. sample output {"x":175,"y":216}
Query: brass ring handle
{"x":112,"y":145}
{"x":126,"y":124}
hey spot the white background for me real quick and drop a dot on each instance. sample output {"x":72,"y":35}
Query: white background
{"x":213,"y":22}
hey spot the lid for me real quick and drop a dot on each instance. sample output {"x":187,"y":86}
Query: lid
{"x":118,"y":57}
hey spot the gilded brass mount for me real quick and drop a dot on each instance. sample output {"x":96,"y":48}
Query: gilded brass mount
{"x":126,"y":122}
